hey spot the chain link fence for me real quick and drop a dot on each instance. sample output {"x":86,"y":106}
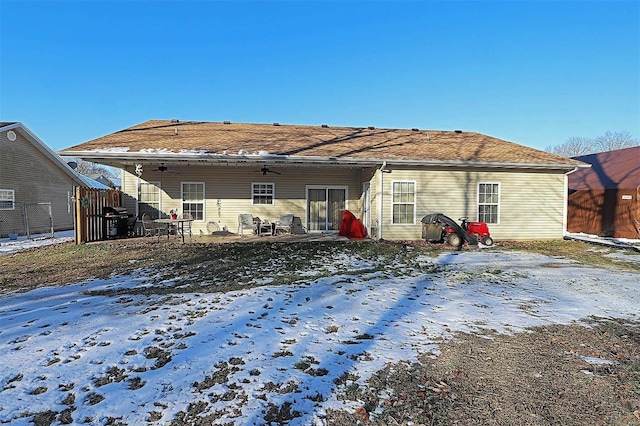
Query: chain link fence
{"x":26,"y":219}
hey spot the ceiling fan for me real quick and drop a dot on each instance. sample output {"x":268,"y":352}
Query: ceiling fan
{"x":266,"y":170}
{"x":162,"y":167}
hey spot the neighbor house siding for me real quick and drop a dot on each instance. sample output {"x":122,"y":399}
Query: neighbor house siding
{"x":228,"y":191}
{"x":531,"y":204}
{"x":35,"y":178}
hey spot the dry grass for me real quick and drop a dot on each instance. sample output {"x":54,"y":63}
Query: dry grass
{"x":536,"y":378}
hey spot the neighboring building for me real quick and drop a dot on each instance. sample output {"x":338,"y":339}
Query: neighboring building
{"x":603,"y":200}
{"x":96,"y":184}
{"x":32,"y":175}
{"x":389,"y":178}
{"x":104,"y":180}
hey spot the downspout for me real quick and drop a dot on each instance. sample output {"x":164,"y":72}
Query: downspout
{"x":381,"y":200}
{"x":565,"y":207}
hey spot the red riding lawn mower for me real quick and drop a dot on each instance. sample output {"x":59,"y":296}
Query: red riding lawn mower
{"x":437,"y":228}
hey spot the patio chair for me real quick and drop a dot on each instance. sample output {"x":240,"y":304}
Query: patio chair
{"x":297,"y":227}
{"x":245,"y":221}
{"x":284,"y":225}
{"x":149,"y":228}
{"x":132,"y":222}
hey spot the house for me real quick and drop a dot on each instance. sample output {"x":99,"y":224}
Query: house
{"x":96,"y":184}
{"x":389,"y":178}
{"x":36,"y":185}
{"x":104,"y":180}
{"x":603,"y":200}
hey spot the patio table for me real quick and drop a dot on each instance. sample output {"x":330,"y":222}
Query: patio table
{"x":264,"y":227}
{"x":179,"y":223}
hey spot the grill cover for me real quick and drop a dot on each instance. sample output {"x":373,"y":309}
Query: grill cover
{"x":114,"y":211}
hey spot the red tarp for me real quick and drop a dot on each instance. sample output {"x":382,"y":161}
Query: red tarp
{"x":351,"y":227}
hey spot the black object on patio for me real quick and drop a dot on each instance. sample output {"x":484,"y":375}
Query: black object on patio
{"x":115,"y":222}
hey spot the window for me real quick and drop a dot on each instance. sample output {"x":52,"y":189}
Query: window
{"x":263,"y":193}
{"x":403,"y":202}
{"x":489,"y":202}
{"x":149,"y":199}
{"x":193,"y":199}
{"x":7,"y":199}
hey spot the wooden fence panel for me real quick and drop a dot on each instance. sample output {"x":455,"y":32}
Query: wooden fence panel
{"x":88,"y":220}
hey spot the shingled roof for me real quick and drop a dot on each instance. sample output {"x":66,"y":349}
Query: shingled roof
{"x":336,"y":143}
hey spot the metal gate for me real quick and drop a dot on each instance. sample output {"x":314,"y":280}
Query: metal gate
{"x":27,"y":219}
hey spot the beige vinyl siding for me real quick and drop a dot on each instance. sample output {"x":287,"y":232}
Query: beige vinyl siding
{"x":35,"y":178}
{"x":532,"y":207}
{"x":531,"y":203}
{"x":228,"y":190}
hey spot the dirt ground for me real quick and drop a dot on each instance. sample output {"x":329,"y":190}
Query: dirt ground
{"x":553,"y":375}
{"x":545,"y":377}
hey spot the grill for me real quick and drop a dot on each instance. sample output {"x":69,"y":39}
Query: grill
{"x":115,"y":222}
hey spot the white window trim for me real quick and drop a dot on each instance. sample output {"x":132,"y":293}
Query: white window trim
{"x":13,"y":199}
{"x":392,"y":203}
{"x":273,"y":194}
{"x":156,"y":184}
{"x":499,"y":200}
{"x":204,"y":198}
{"x":326,"y":188}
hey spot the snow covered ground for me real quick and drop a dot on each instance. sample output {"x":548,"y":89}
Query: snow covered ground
{"x":145,"y":358}
{"x":606,"y":241}
{"x":24,"y":243}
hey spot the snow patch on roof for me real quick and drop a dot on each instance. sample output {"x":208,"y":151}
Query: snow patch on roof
{"x":114,"y":149}
{"x":259,"y":153}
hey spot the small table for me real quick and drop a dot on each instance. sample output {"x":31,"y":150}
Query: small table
{"x":265,"y":226}
{"x":179,"y":222}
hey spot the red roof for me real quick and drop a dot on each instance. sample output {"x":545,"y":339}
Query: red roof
{"x":619,"y":169}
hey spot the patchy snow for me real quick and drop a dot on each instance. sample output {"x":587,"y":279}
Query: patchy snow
{"x":151,"y":356}
{"x":157,"y":151}
{"x":200,"y":152}
{"x":193,"y":152}
{"x":596,"y":361}
{"x":627,"y":243}
{"x":24,"y":243}
{"x":114,"y":149}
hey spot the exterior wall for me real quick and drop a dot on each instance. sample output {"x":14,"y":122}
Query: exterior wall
{"x":35,"y":178}
{"x":605,"y":212}
{"x":228,"y":191}
{"x":531,"y":203}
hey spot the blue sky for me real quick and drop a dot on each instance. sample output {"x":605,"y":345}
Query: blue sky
{"x":532,"y":72}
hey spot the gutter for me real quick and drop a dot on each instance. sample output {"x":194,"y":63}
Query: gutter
{"x":381,"y":200}
{"x":189,"y":157}
{"x":383,"y":170}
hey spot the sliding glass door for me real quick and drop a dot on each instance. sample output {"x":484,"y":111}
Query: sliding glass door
{"x":325,"y":205}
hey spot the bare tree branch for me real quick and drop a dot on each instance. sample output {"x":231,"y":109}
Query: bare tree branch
{"x":615,"y":140}
{"x":609,"y":141}
{"x":88,"y":168}
{"x":573,"y":147}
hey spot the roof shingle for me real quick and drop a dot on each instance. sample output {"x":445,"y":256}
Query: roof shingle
{"x":319,"y":141}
